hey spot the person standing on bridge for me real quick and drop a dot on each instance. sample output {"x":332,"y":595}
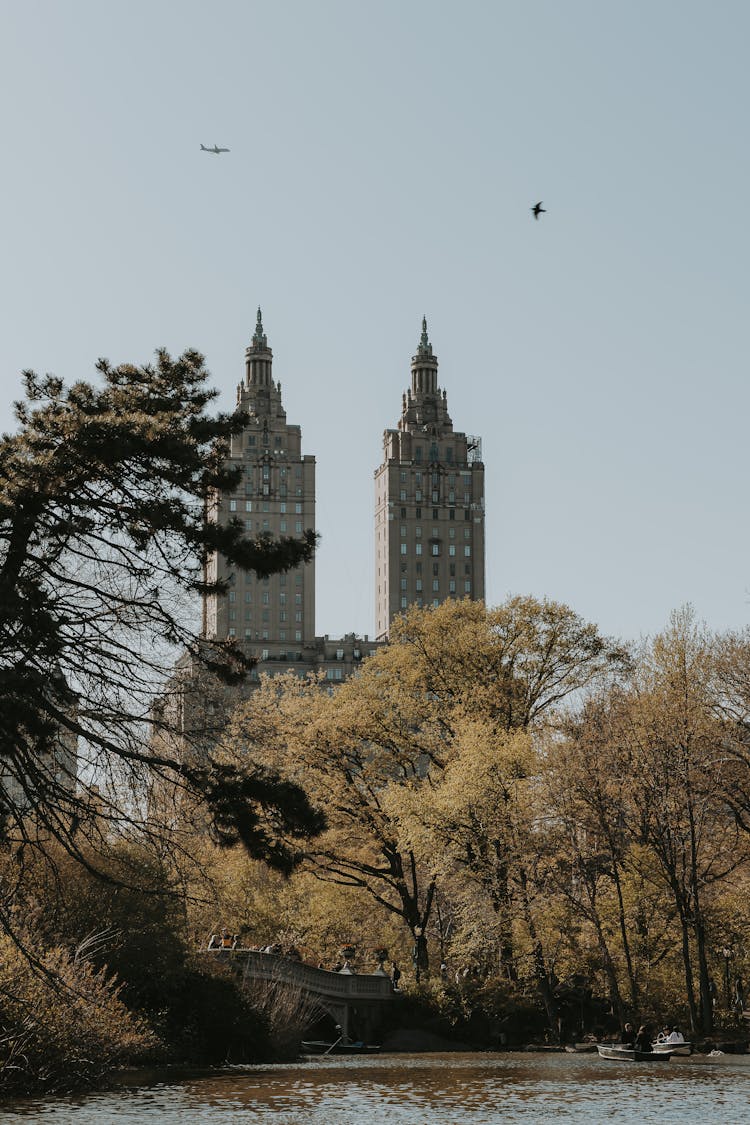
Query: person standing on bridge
{"x":395,"y":975}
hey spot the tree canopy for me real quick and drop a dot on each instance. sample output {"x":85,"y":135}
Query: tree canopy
{"x":104,"y":535}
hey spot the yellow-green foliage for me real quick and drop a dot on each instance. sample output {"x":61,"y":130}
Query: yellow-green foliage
{"x":63,"y":1023}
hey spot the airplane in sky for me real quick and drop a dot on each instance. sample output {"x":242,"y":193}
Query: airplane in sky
{"x":215,"y":149}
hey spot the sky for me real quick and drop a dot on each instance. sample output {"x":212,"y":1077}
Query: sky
{"x":384,"y":157}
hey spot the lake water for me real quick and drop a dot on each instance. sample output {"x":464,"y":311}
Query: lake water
{"x":450,"y":1089}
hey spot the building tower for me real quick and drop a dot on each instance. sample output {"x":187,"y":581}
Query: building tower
{"x":429,"y":503}
{"x":273,"y":617}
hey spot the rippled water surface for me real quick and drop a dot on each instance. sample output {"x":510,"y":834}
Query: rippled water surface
{"x":415,"y":1089}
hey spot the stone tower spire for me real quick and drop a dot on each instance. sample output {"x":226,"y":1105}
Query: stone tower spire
{"x":429,"y":503}
{"x":258,"y":358}
{"x":424,"y":366}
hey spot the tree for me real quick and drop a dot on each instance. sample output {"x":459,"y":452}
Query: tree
{"x":103,"y":540}
{"x":375,"y":751}
{"x":665,"y":750}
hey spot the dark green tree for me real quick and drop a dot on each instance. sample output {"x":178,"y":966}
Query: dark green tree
{"x":104,"y":536}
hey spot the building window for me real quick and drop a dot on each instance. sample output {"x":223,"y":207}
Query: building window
{"x":449,"y":454}
{"x":418,"y":513}
{"x":435,"y":513}
{"x":451,"y":513}
{"x":298,"y":615}
{"x":418,"y":585}
{"x":418,"y":496}
{"x":403,"y":513}
{"x":403,"y":531}
{"x":452,"y":586}
{"x":282,"y":525}
{"x":298,"y":509}
{"x":418,"y":453}
{"x":403,"y":548}
{"x":248,"y":634}
{"x":248,"y":525}
{"x":436,"y":601}
{"x":282,"y":507}
{"x":232,"y":505}
{"x":282,"y":599}
{"x":436,"y":548}
{"x":233,"y":595}
{"x":232,"y":632}
{"x":452,"y":568}
{"x":266,"y":506}
{"x":435,"y":496}
{"x":403,"y":476}
{"x":266,"y":525}
{"x":451,"y":497}
{"x":418,"y":532}
{"x":435,"y":568}
{"x":298,"y":472}
{"x":402,"y":494}
{"x":451,"y":549}
{"x":435,"y":585}
{"x":433,"y":451}
{"x":418,"y":567}
{"x":467,"y":515}
{"x":297,"y":635}
{"x":251,"y":439}
{"x":282,"y":615}
{"x":467,"y":552}
{"x":282,"y":634}
{"x":418,"y":549}
{"x":403,"y":583}
{"x":339,"y":654}
{"x":264,"y":652}
{"x":298,"y":526}
{"x":266,"y":615}
{"x":298,"y":599}
{"x":233,"y":615}
{"x":248,"y":596}
{"x":467,"y":586}
{"x":403,"y":603}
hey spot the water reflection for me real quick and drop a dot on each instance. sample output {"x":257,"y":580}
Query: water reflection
{"x":417,"y":1089}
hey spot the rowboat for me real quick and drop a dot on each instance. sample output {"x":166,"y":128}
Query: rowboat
{"x":672,"y":1048}
{"x":621,"y":1053}
{"x":316,"y":1047}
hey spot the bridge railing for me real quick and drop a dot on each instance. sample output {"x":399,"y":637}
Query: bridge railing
{"x":323,"y":982}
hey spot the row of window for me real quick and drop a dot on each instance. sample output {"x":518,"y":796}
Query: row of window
{"x":265,"y":597}
{"x":435,"y":550}
{"x":433,"y":478}
{"x":436,"y":585}
{"x":235,"y":505}
{"x":265,"y":637}
{"x":266,"y":615}
{"x":434,"y":496}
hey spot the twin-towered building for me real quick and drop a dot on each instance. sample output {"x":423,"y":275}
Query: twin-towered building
{"x":429,"y":519}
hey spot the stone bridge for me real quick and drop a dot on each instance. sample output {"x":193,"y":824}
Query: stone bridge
{"x":355,"y":1001}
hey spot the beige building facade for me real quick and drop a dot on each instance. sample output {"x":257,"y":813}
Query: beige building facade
{"x":429,"y":503}
{"x":275,"y":497}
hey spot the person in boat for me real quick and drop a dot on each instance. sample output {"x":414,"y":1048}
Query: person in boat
{"x":628,"y":1036}
{"x":226,"y":939}
{"x":675,"y":1036}
{"x":663,"y":1035}
{"x":643,"y":1039}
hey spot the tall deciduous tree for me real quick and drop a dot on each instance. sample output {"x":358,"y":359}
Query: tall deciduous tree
{"x":376,"y":747}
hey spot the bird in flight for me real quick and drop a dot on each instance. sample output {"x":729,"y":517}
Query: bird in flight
{"x":538,"y":210}
{"x":215,"y":149}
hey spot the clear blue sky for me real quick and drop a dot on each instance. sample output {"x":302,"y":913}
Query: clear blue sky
{"x":384,"y":159}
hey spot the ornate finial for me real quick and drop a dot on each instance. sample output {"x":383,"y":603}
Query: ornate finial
{"x":259,"y":339}
{"x":425,"y":347}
